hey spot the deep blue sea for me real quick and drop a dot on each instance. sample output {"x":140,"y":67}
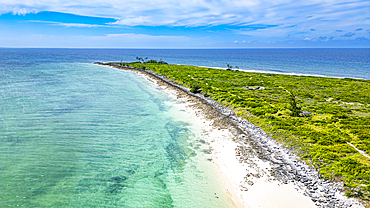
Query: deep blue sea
{"x":351,"y":63}
{"x":74,"y":134}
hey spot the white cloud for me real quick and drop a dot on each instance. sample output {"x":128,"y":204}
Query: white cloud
{"x":70,"y":24}
{"x":325,"y":16}
{"x":140,"y":20}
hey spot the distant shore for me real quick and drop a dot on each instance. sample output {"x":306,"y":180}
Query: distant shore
{"x":284,"y":73}
{"x":261,"y":172}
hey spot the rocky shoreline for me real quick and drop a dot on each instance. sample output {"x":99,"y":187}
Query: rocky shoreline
{"x":254,"y":143}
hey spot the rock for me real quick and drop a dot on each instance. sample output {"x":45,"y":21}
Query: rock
{"x":305,"y":113}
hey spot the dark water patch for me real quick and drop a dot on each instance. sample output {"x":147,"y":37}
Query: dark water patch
{"x":116,"y":184}
{"x":160,"y":183}
{"x":153,"y":97}
{"x":144,"y":114}
{"x":130,"y":172}
{"x":165,"y":199}
{"x":177,"y":130}
{"x":39,"y":191}
{"x":176,"y":151}
{"x":111,"y":185}
{"x":118,"y":179}
{"x":90,"y":185}
{"x":13,"y":140}
{"x":176,"y":156}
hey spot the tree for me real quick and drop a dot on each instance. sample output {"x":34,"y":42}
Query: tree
{"x":229,"y":66}
{"x":294,"y":107}
{"x":162,"y":62}
{"x":139,"y":59}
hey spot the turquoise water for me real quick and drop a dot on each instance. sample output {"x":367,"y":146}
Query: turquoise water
{"x":82,"y":135}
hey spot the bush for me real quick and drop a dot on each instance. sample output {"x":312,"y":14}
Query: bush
{"x":260,"y":111}
{"x":195,"y":87}
{"x":152,"y":61}
{"x":162,"y":62}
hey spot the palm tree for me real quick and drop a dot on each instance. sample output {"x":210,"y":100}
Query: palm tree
{"x":229,"y":66}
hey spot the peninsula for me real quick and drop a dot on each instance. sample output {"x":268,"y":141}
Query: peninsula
{"x":313,"y":132}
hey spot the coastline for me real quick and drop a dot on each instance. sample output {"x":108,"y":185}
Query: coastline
{"x":284,"y":73}
{"x":260,"y":171}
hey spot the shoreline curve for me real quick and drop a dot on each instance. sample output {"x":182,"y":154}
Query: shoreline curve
{"x":262,"y":172}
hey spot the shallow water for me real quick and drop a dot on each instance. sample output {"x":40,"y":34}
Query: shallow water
{"x":81,"y":135}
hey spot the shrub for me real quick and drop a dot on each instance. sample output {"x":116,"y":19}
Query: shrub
{"x":195,"y":87}
{"x":260,"y":111}
{"x":152,"y":61}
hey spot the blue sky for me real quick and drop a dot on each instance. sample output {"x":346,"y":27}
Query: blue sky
{"x":185,"y":24}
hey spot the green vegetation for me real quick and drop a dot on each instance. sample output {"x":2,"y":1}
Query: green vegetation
{"x":195,"y":87}
{"x":141,"y":60}
{"x":315,"y":116}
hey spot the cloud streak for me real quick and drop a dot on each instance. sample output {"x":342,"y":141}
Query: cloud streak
{"x":259,"y":20}
{"x":70,"y":24}
{"x":198,"y":12}
{"x":348,"y":35}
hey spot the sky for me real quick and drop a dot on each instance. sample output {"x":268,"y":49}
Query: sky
{"x":185,"y":24}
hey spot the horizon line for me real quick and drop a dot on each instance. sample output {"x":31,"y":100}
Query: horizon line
{"x":216,"y":48}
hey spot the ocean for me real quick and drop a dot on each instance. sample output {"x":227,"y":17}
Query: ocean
{"x":343,"y":63}
{"x":75,"y":134}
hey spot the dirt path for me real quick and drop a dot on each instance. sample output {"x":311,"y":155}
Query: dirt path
{"x":359,"y":151}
